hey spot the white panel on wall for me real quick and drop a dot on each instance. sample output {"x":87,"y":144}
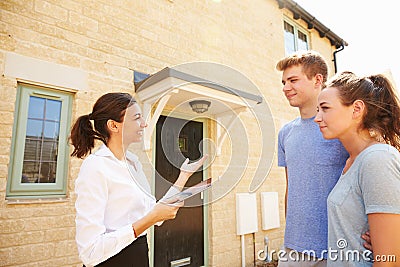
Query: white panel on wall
{"x":246,"y":213}
{"x":269,"y":210}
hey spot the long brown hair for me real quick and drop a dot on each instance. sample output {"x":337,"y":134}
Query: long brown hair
{"x":109,"y":106}
{"x":381,"y":101}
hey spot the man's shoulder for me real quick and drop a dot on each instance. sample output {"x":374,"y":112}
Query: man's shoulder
{"x":289,"y":125}
{"x":304,"y":128}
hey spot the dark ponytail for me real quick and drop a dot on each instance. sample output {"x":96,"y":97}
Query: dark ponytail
{"x":109,"y":106}
{"x":387,"y":111}
{"x":83,"y":136}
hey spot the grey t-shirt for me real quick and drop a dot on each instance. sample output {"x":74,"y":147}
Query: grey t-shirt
{"x":370,"y":185}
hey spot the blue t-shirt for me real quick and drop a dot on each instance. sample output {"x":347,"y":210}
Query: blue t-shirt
{"x":314,"y":165}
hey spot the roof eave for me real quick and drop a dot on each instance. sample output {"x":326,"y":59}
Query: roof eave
{"x":312,"y":22}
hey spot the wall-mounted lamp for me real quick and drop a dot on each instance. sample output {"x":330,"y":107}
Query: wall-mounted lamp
{"x":200,"y":106}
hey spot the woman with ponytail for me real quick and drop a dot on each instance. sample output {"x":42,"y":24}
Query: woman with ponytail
{"x":364,"y":114}
{"x":114,"y":207}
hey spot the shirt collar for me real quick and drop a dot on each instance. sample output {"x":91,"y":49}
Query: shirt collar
{"x":104,"y":151}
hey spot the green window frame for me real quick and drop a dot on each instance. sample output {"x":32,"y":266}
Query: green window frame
{"x":296,"y":38}
{"x":40,"y":152}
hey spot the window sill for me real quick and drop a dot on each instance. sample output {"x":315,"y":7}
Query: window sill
{"x":37,"y":200}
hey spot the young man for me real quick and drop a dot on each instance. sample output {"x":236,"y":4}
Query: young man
{"x":313,"y":164}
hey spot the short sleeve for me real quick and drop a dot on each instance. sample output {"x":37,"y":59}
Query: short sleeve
{"x":281,"y":148}
{"x":380,"y":182}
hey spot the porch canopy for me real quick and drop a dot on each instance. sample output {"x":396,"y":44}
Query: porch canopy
{"x":176,"y":87}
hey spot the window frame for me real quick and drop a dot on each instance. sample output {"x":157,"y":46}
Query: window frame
{"x":297,"y":28}
{"x":15,"y":188}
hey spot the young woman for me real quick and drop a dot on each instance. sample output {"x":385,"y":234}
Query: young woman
{"x":114,"y":207}
{"x":364,"y":114}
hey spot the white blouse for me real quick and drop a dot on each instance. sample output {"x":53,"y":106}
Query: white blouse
{"x":110,"y":197}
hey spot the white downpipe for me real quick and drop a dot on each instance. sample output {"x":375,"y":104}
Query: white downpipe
{"x":243,"y":250}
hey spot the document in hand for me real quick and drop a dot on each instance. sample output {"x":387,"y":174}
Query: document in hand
{"x":188,"y":192}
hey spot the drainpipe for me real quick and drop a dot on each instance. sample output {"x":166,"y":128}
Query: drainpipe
{"x":341,"y":47}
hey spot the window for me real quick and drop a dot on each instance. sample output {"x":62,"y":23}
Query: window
{"x":39,"y":157}
{"x":295,"y":38}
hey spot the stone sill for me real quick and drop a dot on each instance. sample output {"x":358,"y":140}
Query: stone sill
{"x":39,"y":200}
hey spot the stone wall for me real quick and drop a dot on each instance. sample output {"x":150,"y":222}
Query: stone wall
{"x":108,"y":40}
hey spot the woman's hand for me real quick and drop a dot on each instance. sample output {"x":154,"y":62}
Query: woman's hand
{"x":160,"y":212}
{"x":187,"y":169}
{"x":163,"y":211}
{"x":190,"y":168}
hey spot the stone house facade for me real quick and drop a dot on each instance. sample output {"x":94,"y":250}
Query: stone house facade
{"x":63,"y":55}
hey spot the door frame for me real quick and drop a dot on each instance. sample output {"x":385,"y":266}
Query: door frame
{"x":205,"y":175}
